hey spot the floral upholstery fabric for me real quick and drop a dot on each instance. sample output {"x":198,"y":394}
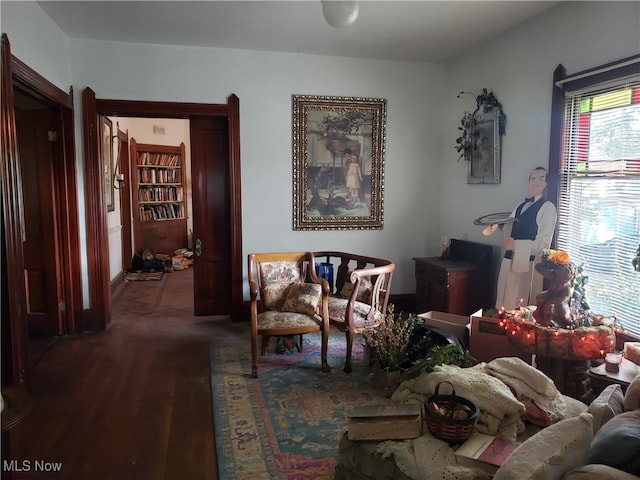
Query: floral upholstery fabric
{"x":273,"y":294}
{"x":337,"y":308}
{"x":272,"y":319}
{"x":302,"y":298}
{"x":271,"y":272}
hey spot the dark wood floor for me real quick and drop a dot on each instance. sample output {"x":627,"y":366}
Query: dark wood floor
{"x":132,"y":402}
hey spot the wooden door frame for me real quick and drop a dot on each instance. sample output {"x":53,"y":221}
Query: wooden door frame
{"x":99,"y":276}
{"x":16,"y":74}
{"x":125,"y":196}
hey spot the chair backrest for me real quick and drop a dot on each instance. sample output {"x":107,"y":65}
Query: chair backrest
{"x":354,"y":269}
{"x":271,"y":273}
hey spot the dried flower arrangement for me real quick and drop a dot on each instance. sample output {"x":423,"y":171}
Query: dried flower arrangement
{"x":390,"y":343}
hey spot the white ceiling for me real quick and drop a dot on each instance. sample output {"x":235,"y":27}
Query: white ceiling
{"x":430,"y":31}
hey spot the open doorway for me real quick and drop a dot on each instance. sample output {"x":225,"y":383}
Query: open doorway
{"x":152,"y":193}
{"x":217,"y":219}
{"x":41,"y":285}
{"x":41,"y":248}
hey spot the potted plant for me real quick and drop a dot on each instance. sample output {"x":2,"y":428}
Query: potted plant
{"x":389,"y":346}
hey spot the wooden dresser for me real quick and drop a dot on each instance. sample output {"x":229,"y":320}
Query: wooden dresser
{"x":460,"y":283}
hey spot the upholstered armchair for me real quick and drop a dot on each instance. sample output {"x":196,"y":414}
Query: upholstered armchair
{"x":361,"y":296}
{"x":282,"y":303}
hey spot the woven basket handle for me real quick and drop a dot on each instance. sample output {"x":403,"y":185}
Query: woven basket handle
{"x":437,"y":392}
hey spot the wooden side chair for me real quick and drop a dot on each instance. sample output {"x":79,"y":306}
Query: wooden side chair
{"x":362,"y":292}
{"x":282,"y":303}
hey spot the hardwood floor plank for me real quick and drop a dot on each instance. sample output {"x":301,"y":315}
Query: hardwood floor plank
{"x":132,"y":402}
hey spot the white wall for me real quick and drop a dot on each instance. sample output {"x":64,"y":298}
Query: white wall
{"x":518,"y":66}
{"x":37,"y":41}
{"x":426,"y":192}
{"x":264,"y":82}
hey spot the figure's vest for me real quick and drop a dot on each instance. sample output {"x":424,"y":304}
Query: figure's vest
{"x":526,"y":227}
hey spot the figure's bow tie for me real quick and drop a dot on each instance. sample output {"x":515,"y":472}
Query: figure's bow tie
{"x":529,"y":199}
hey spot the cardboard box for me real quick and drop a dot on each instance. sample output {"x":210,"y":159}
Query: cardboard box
{"x":458,"y":325}
{"x":488,"y":340}
{"x":385,"y":422}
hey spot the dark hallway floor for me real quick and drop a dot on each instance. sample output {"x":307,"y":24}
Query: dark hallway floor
{"x":132,"y":402}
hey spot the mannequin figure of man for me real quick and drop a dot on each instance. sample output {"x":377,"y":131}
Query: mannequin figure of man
{"x":524,"y":239}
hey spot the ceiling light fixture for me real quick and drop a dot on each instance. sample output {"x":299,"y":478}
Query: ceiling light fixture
{"x":339,"y":13}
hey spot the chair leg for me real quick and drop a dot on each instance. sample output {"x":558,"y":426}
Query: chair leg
{"x":254,"y":356}
{"x":263,"y":346}
{"x":347,"y":363}
{"x":299,"y":345}
{"x":324,"y":352}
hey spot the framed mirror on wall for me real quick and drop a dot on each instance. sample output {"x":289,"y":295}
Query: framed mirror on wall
{"x":484,"y":163}
{"x":338,"y":162}
{"x":106,"y":127}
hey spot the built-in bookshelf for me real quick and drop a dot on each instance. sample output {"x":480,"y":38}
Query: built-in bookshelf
{"x":160,"y":216}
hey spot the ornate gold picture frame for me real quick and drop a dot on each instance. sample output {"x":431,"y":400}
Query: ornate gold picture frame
{"x":338,"y":162}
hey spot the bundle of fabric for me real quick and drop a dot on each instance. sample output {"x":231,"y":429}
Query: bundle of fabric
{"x":500,"y":411}
{"x":543,"y":402}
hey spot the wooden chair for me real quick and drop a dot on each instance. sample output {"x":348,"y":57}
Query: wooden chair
{"x":283,"y":304}
{"x":361,"y":296}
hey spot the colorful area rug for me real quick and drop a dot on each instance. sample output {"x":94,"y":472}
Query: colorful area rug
{"x":143,"y":276}
{"x":285,"y":424}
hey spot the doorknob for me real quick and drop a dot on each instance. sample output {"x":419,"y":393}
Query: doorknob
{"x":197,"y":248}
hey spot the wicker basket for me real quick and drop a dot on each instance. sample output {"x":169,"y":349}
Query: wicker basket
{"x":449,"y":417}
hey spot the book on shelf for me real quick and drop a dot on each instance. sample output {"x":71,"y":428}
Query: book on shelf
{"x":485,"y":451}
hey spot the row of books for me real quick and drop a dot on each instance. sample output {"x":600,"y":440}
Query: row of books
{"x":166,"y":211}
{"x":160,"y":194}
{"x":160,"y":175}
{"x":162,"y":159}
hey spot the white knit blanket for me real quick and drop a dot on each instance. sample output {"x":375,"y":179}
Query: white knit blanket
{"x":527,"y":381}
{"x":500,"y":412}
{"x":427,"y":458}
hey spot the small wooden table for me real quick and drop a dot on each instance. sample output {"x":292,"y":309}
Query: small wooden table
{"x":601,"y":378}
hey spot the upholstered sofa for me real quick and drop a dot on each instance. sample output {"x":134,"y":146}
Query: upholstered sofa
{"x":581,"y":442}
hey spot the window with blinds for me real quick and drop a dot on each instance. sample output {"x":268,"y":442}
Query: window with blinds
{"x":599,"y":197}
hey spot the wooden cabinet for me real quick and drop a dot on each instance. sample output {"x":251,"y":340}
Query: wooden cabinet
{"x":460,"y":283}
{"x":158,"y":193}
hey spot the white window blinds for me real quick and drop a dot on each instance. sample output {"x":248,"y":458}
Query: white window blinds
{"x":599,"y":198}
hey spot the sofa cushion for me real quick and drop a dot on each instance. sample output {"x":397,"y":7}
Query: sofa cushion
{"x":606,"y":406}
{"x":272,"y":295}
{"x":617,"y":443}
{"x":598,"y":472}
{"x":550,"y":453}
{"x":302,"y":298}
{"x":364,"y":289}
{"x":632,"y":395}
{"x":337,"y":310}
{"x":574,"y":407}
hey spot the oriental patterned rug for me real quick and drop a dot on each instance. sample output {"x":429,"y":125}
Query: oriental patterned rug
{"x":286,"y":423}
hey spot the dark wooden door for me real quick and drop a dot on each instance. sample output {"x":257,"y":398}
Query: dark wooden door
{"x":211,"y":215}
{"x":35,"y":127}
